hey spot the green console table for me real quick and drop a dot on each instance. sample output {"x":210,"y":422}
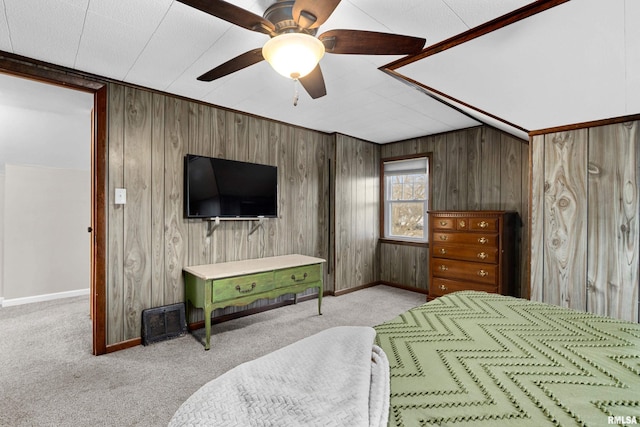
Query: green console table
{"x":239,"y":283}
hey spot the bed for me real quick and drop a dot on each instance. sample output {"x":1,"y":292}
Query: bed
{"x":479,"y":359}
{"x":464,"y":359}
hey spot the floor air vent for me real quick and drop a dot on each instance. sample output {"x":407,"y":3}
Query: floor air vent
{"x":163,"y":323}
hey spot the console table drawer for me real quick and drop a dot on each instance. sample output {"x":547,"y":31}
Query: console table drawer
{"x":234,"y":287}
{"x":298,"y":275}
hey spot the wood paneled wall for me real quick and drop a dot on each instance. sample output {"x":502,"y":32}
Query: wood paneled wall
{"x":357,"y":195}
{"x":471,"y":169}
{"x":584,"y":219}
{"x":328,"y":212}
{"x":149,"y":240}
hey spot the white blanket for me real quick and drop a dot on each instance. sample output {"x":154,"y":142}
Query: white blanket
{"x":337,"y":377}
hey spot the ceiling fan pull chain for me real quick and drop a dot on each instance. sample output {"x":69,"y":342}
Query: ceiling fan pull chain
{"x":295,"y":92}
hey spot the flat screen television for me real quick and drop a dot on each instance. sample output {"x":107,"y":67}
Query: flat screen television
{"x":224,"y":188}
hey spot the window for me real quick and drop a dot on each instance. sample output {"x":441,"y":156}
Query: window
{"x":405,"y":188}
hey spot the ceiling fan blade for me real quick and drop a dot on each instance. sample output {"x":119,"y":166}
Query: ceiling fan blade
{"x":313,"y":83}
{"x":234,"y":14}
{"x":370,"y":43}
{"x":238,"y":63}
{"x":313,"y":13}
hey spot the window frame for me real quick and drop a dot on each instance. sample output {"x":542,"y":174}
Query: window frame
{"x":384,"y":203}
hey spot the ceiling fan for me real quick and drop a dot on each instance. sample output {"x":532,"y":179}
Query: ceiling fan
{"x":293,"y":50}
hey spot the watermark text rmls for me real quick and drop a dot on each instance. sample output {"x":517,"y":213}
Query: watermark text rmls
{"x":622,"y":420}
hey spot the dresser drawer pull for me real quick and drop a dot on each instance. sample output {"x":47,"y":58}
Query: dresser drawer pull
{"x":443,"y":251}
{"x":482,"y":255}
{"x":443,"y":237}
{"x":293,"y":277}
{"x":483,"y":273}
{"x":483,"y":240}
{"x":443,"y":288}
{"x":463,"y":224}
{"x":443,"y":268}
{"x":483,"y":224}
{"x":443,"y":223}
{"x":239,"y":289}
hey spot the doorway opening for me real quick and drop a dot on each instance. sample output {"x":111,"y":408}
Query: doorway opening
{"x":15,"y":66}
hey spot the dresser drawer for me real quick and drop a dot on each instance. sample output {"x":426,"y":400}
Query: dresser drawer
{"x":298,"y":275}
{"x":480,"y":239}
{"x":483,"y":224}
{"x":444,"y":223}
{"x":441,"y":287}
{"x":472,"y":271}
{"x":235,"y":287}
{"x":466,"y":253}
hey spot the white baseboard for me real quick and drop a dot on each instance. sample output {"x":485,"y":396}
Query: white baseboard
{"x":45,"y":297}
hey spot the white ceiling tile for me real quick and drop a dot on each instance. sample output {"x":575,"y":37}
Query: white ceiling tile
{"x":531,"y":80}
{"x":632,"y":44}
{"x":142,"y":14}
{"x":109,"y":47}
{"x":59,"y":27}
{"x":474,"y":13}
{"x":181,"y":38}
{"x":408,"y":17}
{"x":233,"y":42}
{"x":521,"y":73}
{"x":5,"y":41}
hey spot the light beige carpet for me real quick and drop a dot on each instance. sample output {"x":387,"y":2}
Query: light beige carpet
{"x":48,"y":376}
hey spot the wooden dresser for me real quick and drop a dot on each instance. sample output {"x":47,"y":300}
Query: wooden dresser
{"x":471,"y":250}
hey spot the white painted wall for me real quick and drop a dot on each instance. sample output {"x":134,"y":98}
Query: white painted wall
{"x":46,"y":244}
{"x":2,"y":179}
{"x":49,"y":148}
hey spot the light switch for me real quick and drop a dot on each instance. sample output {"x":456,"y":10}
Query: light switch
{"x":121,"y":196}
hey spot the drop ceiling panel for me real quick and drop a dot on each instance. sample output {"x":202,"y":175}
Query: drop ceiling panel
{"x":180,"y":39}
{"x":109,"y":47}
{"x":632,"y":75}
{"x":474,"y":13}
{"x":116,"y":33}
{"x":231,"y":43}
{"x":142,"y":14}
{"x":49,"y":31}
{"x":5,"y":42}
{"x":408,"y":17}
{"x":523,"y":74}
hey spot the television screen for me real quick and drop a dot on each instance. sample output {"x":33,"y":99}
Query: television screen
{"x":229,"y":189}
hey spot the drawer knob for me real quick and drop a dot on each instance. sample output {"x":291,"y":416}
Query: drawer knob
{"x":483,"y":273}
{"x":443,"y":223}
{"x":482,"y":255}
{"x":443,"y":268}
{"x":239,"y":289}
{"x":443,"y":237}
{"x":463,"y":223}
{"x":483,"y":224}
{"x":293,"y":277}
{"x":443,"y":251}
{"x":483,"y":240}
{"x":443,"y":288}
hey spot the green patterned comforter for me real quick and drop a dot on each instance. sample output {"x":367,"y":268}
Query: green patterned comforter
{"x":472,"y":358}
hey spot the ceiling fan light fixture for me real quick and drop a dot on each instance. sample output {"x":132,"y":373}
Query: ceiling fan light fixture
{"x":294,"y":55}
